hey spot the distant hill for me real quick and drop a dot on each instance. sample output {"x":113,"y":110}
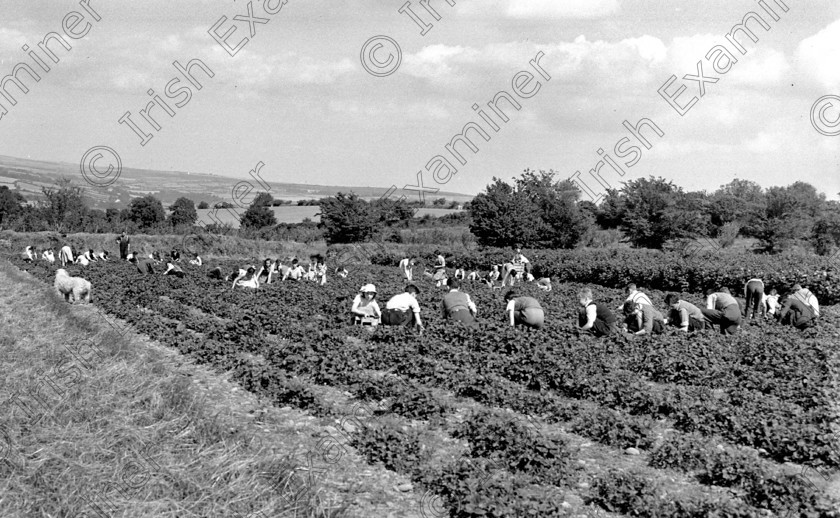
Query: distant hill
{"x":28,"y":176}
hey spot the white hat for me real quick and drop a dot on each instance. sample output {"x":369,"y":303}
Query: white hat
{"x":368,"y":288}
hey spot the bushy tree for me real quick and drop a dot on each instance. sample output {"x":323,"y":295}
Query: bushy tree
{"x":740,"y":201}
{"x":146,"y":212}
{"x":203,"y":205}
{"x":10,"y":204}
{"x":790,"y":215}
{"x":259,"y":213}
{"x":346,"y":218}
{"x":182,"y":212}
{"x":536,"y":211}
{"x":392,"y":212}
{"x":64,"y":208}
{"x":656,"y":211}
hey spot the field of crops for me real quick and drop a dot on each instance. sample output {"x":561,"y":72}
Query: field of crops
{"x":497,"y":422}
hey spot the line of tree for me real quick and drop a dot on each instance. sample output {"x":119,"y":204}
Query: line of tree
{"x":538,"y":211}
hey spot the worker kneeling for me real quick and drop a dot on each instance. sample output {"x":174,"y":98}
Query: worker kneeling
{"x":457,"y":305}
{"x":403,"y":309}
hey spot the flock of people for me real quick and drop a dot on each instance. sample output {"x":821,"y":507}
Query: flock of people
{"x":637,"y":315}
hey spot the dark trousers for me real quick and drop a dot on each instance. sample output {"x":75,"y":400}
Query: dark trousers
{"x":800,"y":319}
{"x":601,"y":328}
{"x":462,"y":315}
{"x":728,"y":319}
{"x":395,"y":317}
{"x":755,"y":292}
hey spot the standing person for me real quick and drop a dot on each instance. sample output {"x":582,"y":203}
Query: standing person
{"x":457,"y":305}
{"x":403,"y":309}
{"x":365,"y":309}
{"x":125,"y":243}
{"x":684,"y":315}
{"x":796,"y":313}
{"x":143,"y":265}
{"x":722,"y":309}
{"x":634,"y":295}
{"x":406,"y":266}
{"x":594,"y":317}
{"x":65,"y":255}
{"x":754,"y":293}
{"x":524,"y":311}
{"x":643,"y":319}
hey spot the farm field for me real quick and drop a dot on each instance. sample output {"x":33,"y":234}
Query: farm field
{"x":287,"y":214}
{"x":491,"y":421}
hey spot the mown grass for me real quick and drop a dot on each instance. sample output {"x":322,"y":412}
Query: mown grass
{"x":91,"y":418}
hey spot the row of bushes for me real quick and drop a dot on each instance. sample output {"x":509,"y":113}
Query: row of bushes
{"x":680,"y":271}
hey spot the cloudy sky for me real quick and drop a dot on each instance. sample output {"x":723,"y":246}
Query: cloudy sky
{"x":297,"y":97}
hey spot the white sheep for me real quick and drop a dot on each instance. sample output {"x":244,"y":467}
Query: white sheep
{"x":76,"y":286}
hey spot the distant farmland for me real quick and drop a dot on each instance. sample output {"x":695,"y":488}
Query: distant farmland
{"x":287,"y":214}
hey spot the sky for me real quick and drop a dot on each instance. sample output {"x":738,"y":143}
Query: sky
{"x":297,"y":97}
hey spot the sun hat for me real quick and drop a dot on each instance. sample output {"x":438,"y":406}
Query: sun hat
{"x":368,"y":288}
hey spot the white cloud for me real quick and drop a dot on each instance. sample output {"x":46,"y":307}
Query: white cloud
{"x":819,"y":55}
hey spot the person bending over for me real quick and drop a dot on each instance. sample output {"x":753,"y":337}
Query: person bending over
{"x":457,"y":305}
{"x":196,"y":260}
{"x":174,"y":270}
{"x":796,"y":313}
{"x":523,"y":311}
{"x":406,"y":266}
{"x":403,"y":309}
{"x":684,"y":315}
{"x":643,"y":319}
{"x":722,"y":309}
{"x":246,"y":279}
{"x":634,"y":295}
{"x":143,"y":266}
{"x":754,"y":293}
{"x":544,"y":283}
{"x":594,"y":317}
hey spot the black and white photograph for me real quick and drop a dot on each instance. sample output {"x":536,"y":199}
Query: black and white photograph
{"x":420,"y":259}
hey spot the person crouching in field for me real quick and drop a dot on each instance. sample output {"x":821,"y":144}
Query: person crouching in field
{"x":403,"y":309}
{"x":246,"y":279}
{"x":296,"y":272}
{"x":722,"y":309}
{"x":365,"y":309}
{"x":82,"y":260}
{"x":29,"y":254}
{"x":47,"y":255}
{"x":472,"y":276}
{"x":523,"y":311}
{"x":771,"y":303}
{"x":143,"y":265}
{"x":321,"y":270}
{"x":594,"y":317}
{"x":634,"y":295}
{"x":800,"y":309}
{"x":173,"y":270}
{"x":266,"y":270}
{"x":457,"y":305}
{"x":754,"y":293}
{"x":684,"y":315}
{"x":102,"y":256}
{"x":643,"y":319}
{"x":544,"y":283}
{"x":196,"y":260}
{"x":90,"y":256}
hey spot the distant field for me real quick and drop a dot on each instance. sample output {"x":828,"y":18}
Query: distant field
{"x":287,"y":214}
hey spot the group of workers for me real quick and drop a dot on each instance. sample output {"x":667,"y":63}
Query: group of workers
{"x":799,"y":308}
{"x":66,"y":255}
{"x":519,"y":268}
{"x":270,"y":269}
{"x":404,"y":310}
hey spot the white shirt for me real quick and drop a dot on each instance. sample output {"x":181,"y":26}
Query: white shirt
{"x":82,"y":260}
{"x":772,"y":302}
{"x":371,"y":308}
{"x":519,"y":258}
{"x":809,"y":299}
{"x":296,"y":273}
{"x":637,"y":297}
{"x":405,"y":264}
{"x":441,"y":262}
{"x":403,"y":302}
